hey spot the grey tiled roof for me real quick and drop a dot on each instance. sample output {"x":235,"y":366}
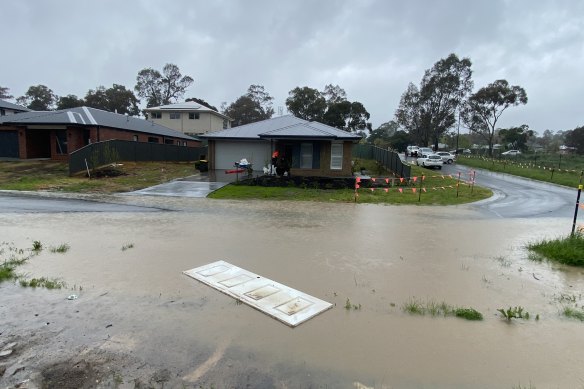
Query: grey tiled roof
{"x":281,"y":127}
{"x":187,"y":106}
{"x":85,"y":116}
{"x":16,"y":107}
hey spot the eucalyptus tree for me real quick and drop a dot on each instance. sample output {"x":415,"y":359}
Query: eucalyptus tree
{"x":483,"y":109}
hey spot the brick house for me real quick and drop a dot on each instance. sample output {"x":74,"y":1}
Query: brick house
{"x":55,"y":134}
{"x":310,"y":148}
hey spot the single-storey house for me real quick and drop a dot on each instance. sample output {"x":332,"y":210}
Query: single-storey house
{"x":7,"y":108}
{"x":189,"y":118}
{"x":55,"y":134}
{"x":309,"y":148}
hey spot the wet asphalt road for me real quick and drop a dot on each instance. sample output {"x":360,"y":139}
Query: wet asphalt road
{"x":29,"y":203}
{"x":516,"y":197}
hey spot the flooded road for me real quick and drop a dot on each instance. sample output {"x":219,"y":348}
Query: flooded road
{"x":137,"y":302}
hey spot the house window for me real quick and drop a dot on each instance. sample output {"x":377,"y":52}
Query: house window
{"x":153,"y":139}
{"x":156,"y":115}
{"x":225,"y":124}
{"x":135,"y":138}
{"x":194,"y":115}
{"x":2,"y":112}
{"x":168,"y":142}
{"x":61,"y":139}
{"x":336,"y":156}
{"x":306,"y":156}
{"x":175,"y":115}
{"x":184,"y":142}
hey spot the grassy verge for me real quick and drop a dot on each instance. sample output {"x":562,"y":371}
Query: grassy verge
{"x":561,"y":177}
{"x":435,"y":189}
{"x":54,"y":176}
{"x":568,"y":250}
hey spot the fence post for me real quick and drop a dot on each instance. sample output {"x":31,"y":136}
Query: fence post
{"x":577,"y":206}
{"x":420,"y":189}
{"x":457,"y":184}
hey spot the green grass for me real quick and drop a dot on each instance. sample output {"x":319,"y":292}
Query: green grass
{"x":54,"y":176}
{"x":468,"y":314}
{"x":522,"y":169}
{"x":61,"y":249}
{"x":42,"y":282}
{"x":11,"y":258}
{"x":418,"y":307}
{"x":568,"y":250}
{"x":514,"y":313}
{"x":7,"y":271}
{"x":573,"y":313}
{"x":440,"y":190}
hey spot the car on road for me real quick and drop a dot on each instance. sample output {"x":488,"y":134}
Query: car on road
{"x":430,"y":160}
{"x":413,"y":151}
{"x":446,"y":156}
{"x":425,"y":150}
{"x":511,"y":153}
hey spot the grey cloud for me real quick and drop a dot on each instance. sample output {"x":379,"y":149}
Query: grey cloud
{"x":371,"y":48}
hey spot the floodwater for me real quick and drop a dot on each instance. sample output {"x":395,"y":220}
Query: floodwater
{"x":377,"y":256}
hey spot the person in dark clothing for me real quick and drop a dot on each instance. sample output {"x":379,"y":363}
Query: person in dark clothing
{"x":282,"y":166}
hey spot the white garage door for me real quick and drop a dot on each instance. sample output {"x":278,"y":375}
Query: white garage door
{"x":256,"y":153}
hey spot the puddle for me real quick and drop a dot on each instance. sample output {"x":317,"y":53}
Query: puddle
{"x":378,"y":257}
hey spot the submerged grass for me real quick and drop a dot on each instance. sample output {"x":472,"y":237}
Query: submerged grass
{"x":42,"y":282}
{"x":418,"y":307}
{"x":12,"y":257}
{"x":127,"y":246}
{"x":62,"y":248}
{"x":574,"y":313}
{"x":567,"y":250}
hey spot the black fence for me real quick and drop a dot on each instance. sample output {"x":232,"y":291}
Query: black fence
{"x":387,"y":158}
{"x":102,"y":153}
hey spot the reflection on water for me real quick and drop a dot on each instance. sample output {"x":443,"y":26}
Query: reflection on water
{"x":376,"y":256}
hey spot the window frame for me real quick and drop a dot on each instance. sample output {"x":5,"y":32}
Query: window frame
{"x":306,"y":156}
{"x":174,"y":115}
{"x":337,"y":157}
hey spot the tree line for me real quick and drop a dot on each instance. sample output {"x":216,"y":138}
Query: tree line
{"x":427,"y":113}
{"x":329,"y":106}
{"x":444,"y":100}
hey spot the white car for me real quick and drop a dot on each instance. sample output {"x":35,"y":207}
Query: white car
{"x":511,"y":153}
{"x":413,"y":150}
{"x":446,"y":156}
{"x":425,"y":150}
{"x":430,"y":160}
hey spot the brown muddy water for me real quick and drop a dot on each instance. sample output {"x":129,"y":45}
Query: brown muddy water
{"x":139,"y":313}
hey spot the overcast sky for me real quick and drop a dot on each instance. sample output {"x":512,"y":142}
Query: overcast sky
{"x":372,"y":49}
